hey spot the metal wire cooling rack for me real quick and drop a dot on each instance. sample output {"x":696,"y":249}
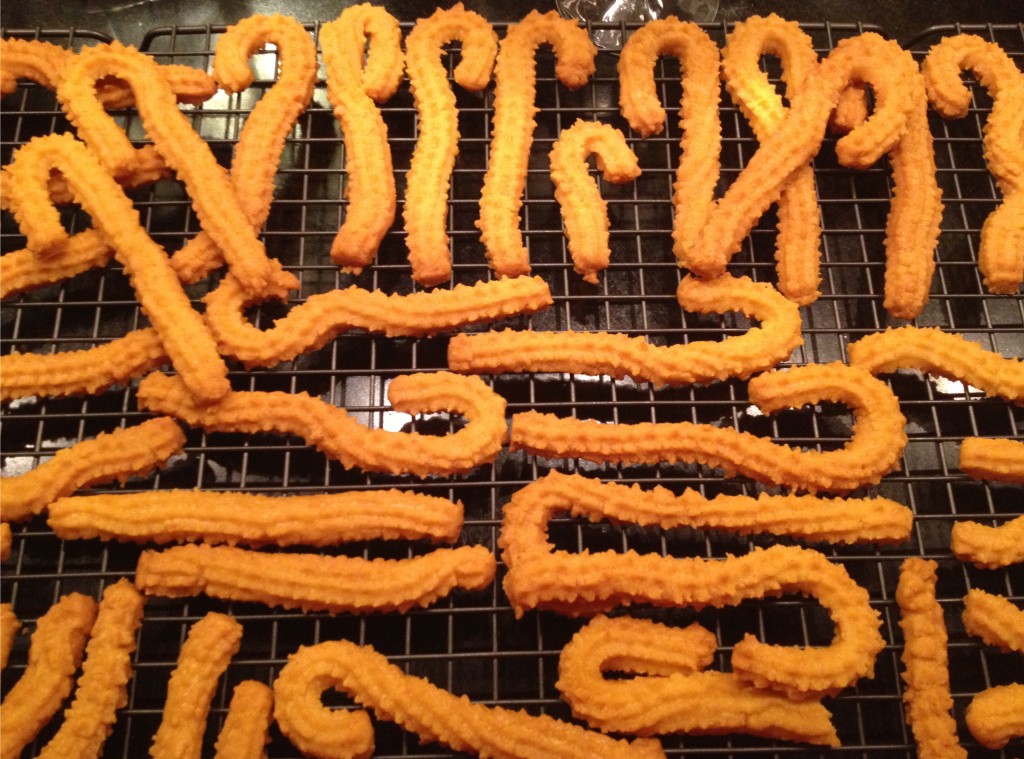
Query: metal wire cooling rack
{"x":470,"y":643}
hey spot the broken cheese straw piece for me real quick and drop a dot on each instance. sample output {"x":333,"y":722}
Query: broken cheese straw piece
{"x":1001,"y":254}
{"x":204,"y":657}
{"x":992,"y":459}
{"x":88,"y":371}
{"x":927,"y":700}
{"x":336,"y":584}
{"x":797,"y":249}
{"x":22,"y":270}
{"x":699,"y":120}
{"x":103,"y":685}
{"x":584,"y":212}
{"x":181,"y":329}
{"x":435,"y":715}
{"x":44,"y":63}
{"x":869,"y":58}
{"x":539,"y":577}
{"x":332,"y":431}
{"x":929,"y":349}
{"x":5,"y":541}
{"x":53,"y":658}
{"x":807,"y":517}
{"x":324,"y":316}
{"x":354,"y":88}
{"x":620,"y":356}
{"x":995,"y":715}
{"x":513,"y":124}
{"x":673,"y":696}
{"x":258,"y":151}
{"x":9,"y":626}
{"x":212,"y":194}
{"x":426,"y":194}
{"x":246,"y":727}
{"x":243,"y":518}
{"x":989,"y":547}
{"x":874,"y":448}
{"x":110,"y":456}
{"x":995,"y":620}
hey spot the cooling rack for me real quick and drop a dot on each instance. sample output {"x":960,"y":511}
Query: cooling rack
{"x":470,"y":643}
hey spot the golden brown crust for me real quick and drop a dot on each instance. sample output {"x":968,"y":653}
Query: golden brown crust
{"x":929,"y":349}
{"x":9,"y":626}
{"x":868,"y":58}
{"x":5,"y":543}
{"x":116,"y":455}
{"x":993,"y":459}
{"x":254,"y":520}
{"x":926,"y":699}
{"x":211,"y":192}
{"x":181,"y":329}
{"x":996,"y":715}
{"x":584,"y":212}
{"x":876,"y":443}
{"x":102,"y":688}
{"x":58,"y":644}
{"x":426,"y":193}
{"x":204,"y":657}
{"x":336,"y":584}
{"x":246,"y":727}
{"x":1001,"y":254}
{"x":435,"y":715}
{"x":261,"y":141}
{"x":22,"y":270}
{"x":989,"y":547}
{"x":540,"y":577}
{"x":332,"y":431}
{"x":673,"y":695}
{"x":323,"y":316}
{"x":353,"y":86}
{"x":995,"y":620}
{"x":699,"y":120}
{"x":515,"y":89}
{"x":797,"y":250}
{"x":621,"y":356}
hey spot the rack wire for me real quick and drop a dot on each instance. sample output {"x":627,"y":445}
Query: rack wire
{"x":470,"y":643}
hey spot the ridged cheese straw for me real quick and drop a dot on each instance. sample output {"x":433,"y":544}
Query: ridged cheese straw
{"x":324,"y":316}
{"x":354,"y":87}
{"x":541,"y":577}
{"x":513,"y":124}
{"x":869,"y":58}
{"x":926,"y":698}
{"x":996,"y":715}
{"x":258,"y":151}
{"x":167,"y":516}
{"x":619,"y":355}
{"x":117,"y":455}
{"x":213,"y":197}
{"x":699,"y":120}
{"x":9,"y":626}
{"x":204,"y":657}
{"x":181,"y":328}
{"x":311,"y":582}
{"x":58,"y":644}
{"x":584,"y":212}
{"x":426,"y":193}
{"x":797,"y":249}
{"x":22,"y":270}
{"x":45,"y":63}
{"x":929,"y":349}
{"x":671,"y":694}
{"x":989,"y":547}
{"x":332,"y":431}
{"x":246,"y":730}
{"x":103,"y":685}
{"x":435,"y":715}
{"x":1001,"y":254}
{"x":992,"y":459}
{"x":874,"y":449}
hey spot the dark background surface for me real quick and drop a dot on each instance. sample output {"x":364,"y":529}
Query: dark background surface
{"x":127,"y":20}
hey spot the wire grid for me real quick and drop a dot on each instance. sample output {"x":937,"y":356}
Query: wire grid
{"x":470,"y":643}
